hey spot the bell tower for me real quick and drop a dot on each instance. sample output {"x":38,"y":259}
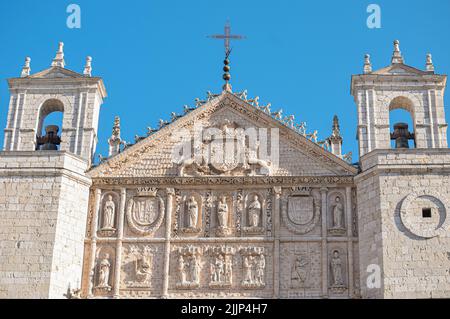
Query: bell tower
{"x":404,"y":184}
{"x":44,"y":189}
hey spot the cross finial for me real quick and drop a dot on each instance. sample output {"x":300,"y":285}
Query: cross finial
{"x":227,"y":36}
{"x":59,"y":58}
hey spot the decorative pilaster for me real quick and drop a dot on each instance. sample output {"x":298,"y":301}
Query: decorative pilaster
{"x":169,"y":207}
{"x":98,"y":194}
{"x":323,"y":193}
{"x":348,"y":214}
{"x":276,"y":248}
{"x":120,"y":222}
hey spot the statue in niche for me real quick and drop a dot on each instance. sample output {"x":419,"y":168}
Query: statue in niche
{"x":254,"y":212}
{"x":338,"y":213}
{"x":260,"y":266}
{"x":299,"y":272}
{"x":218,"y":269}
{"x":109,"y":210}
{"x":104,"y":268}
{"x":192,"y":208}
{"x":336,"y":269}
{"x":222,"y":213}
{"x":247,"y":265}
{"x":181,"y":269}
{"x":194,"y":266}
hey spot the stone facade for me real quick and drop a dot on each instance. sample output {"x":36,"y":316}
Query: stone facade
{"x":152,"y":222}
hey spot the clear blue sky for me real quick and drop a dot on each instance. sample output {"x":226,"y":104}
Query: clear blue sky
{"x":154,"y":55}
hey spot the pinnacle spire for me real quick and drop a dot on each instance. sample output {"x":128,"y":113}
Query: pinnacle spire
{"x":115,"y":141}
{"x":397,"y":55}
{"x":88,"y":67}
{"x":429,"y":64}
{"x":59,"y":58}
{"x":367,"y":64}
{"x":26,"y":68}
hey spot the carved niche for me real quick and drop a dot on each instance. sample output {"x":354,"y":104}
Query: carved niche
{"x":337,"y":270}
{"x":253,"y":267}
{"x":337,"y":217}
{"x":224,"y":149}
{"x":191,"y":214}
{"x":221,"y":266}
{"x":254,"y":217}
{"x":300,"y":211}
{"x":223,"y":214}
{"x":189,"y":267}
{"x":145,"y":211}
{"x":139,"y":266}
{"x":108,"y":214}
{"x":103,"y":272}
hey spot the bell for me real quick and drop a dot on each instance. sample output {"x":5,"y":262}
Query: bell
{"x":51,"y":140}
{"x":401,"y":135}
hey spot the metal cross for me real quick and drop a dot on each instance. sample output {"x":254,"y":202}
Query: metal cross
{"x":227,"y":36}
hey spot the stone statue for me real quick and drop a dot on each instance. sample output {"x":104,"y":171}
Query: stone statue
{"x":218,"y":268}
{"x":254,"y":212}
{"x":338,"y":212}
{"x":104,"y":268}
{"x":192,"y":208}
{"x":260,"y":266}
{"x":298,"y":272}
{"x":181,"y":269}
{"x":247,"y":267}
{"x":228,"y":269}
{"x":195,"y":269}
{"x":222,"y":213}
{"x":336,"y":269}
{"x":109,"y":210}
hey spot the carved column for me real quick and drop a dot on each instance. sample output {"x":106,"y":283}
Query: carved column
{"x":323,"y":193}
{"x":98,"y":194}
{"x":169,"y":208}
{"x":348,"y":213}
{"x":276,"y":248}
{"x":120,"y":221}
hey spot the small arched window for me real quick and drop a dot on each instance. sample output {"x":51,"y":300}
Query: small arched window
{"x":401,"y":123}
{"x":49,"y":126}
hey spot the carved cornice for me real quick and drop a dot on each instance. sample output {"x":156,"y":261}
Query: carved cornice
{"x":224,"y":181}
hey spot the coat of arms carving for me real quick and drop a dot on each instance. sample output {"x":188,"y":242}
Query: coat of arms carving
{"x":300,"y":211}
{"x":145,"y":211}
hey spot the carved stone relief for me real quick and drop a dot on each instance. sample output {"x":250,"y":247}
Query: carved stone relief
{"x":103,"y":272}
{"x":300,"y":210}
{"x":189,"y":267}
{"x":191,"y":216}
{"x":224,"y":206}
{"x":221,"y":266}
{"x":145,"y":211}
{"x":138,"y":265}
{"x":253,"y":267}
{"x":337,"y":271}
{"x":254,"y":214}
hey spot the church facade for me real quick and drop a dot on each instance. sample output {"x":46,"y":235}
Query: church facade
{"x":229,"y":200}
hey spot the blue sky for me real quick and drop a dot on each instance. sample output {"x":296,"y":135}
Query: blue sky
{"x":154,"y":56}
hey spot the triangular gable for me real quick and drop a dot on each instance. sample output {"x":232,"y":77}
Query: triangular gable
{"x":55,"y":72}
{"x":150,"y":156}
{"x":399,"y":69}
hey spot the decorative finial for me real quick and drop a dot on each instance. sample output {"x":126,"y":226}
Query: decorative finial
{"x":335,"y":140}
{"x":88,"y":67}
{"x":59,"y":58}
{"x":367,"y":64}
{"x":397,"y":55}
{"x":26,"y":68}
{"x":115,"y":141}
{"x":429,"y":65}
{"x":227,"y":76}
